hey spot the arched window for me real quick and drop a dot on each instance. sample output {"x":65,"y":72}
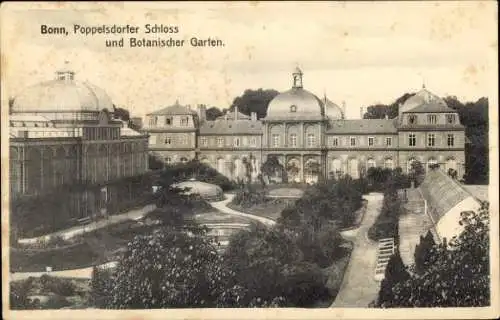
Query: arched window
{"x":388,"y":163}
{"x":370,"y":163}
{"x":410,"y":164}
{"x":293,"y":140}
{"x":293,"y":108}
{"x":184,"y":160}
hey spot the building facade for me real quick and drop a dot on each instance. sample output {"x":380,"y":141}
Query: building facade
{"x":310,"y":137}
{"x":65,"y":145}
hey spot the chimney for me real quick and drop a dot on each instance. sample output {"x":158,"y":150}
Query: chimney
{"x":361,"y":112}
{"x":253,"y":116}
{"x":343,"y":107}
{"x":202,"y":112}
{"x":235,"y":112}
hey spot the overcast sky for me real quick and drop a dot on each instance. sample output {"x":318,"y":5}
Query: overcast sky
{"x":360,"y":53}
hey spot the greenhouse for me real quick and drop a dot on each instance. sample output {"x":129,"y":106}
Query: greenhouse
{"x":207,"y":191}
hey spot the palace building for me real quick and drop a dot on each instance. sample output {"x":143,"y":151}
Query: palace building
{"x":310,"y":137}
{"x":66,"y":148}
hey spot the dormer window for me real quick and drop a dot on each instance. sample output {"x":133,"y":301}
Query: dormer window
{"x":432,"y":119}
{"x":450,"y":118}
{"x":293,"y":108}
{"x":168,"y":121}
{"x":412,"y":119}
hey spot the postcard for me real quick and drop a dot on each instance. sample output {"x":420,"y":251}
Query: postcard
{"x":247,"y":160}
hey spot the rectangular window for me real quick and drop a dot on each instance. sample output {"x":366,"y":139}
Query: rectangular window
{"x":371,"y":141}
{"x":253,"y":141}
{"x":293,"y":140}
{"x":311,"y":140}
{"x":412,"y":140}
{"x":236,"y":142}
{"x":353,"y":142}
{"x":168,"y":140}
{"x":335,"y":142}
{"x":431,"y":140}
{"x":388,"y":141}
{"x":432,"y":119}
{"x":220,"y":142}
{"x":451,"y":140}
{"x":276,"y":140}
{"x":168,"y":121}
{"x":203,"y":141}
{"x":183,"y":140}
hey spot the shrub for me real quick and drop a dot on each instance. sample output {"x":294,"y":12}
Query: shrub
{"x":56,"y":302}
{"x":101,"y":286}
{"x":387,"y":223}
{"x":423,"y":252}
{"x":60,"y":287}
{"x":248,"y":196}
{"x":19,"y":291}
{"x":394,"y":273}
{"x":304,"y":284}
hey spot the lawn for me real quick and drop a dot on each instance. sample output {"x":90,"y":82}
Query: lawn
{"x":270,"y":209}
{"x":99,"y":246}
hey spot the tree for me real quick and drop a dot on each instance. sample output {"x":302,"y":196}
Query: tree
{"x":11,"y":104}
{"x":423,"y":252}
{"x":395,"y":272}
{"x":474,"y":116}
{"x":121,"y":113}
{"x":417,"y":172}
{"x":380,"y":111}
{"x":213,"y":113}
{"x":459,"y":272}
{"x":170,"y":269}
{"x":254,"y":101}
{"x":272,"y":168}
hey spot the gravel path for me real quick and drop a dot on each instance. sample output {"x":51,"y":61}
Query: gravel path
{"x":359,"y":287}
{"x":222,"y":206}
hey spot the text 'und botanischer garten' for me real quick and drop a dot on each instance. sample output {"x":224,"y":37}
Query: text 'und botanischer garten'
{"x":135,"y":41}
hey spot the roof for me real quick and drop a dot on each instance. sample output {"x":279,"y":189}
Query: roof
{"x":62,"y":95}
{"x":28,"y":117}
{"x":362,"y":126}
{"x":230,"y":116}
{"x":293,"y":103}
{"x":175,"y":109}
{"x":231,"y":127}
{"x":422,"y":97}
{"x":431,"y":107}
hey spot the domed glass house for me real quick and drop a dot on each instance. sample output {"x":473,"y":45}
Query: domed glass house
{"x":206,"y":191}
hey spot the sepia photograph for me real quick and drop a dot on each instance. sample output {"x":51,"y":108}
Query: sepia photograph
{"x":244,"y":160}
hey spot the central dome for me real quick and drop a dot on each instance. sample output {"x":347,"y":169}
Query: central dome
{"x":296,"y":102}
{"x":62,"y":94}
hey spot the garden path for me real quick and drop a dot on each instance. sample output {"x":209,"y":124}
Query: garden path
{"x":74,"y":231}
{"x":359,"y":287}
{"x":86,"y":273}
{"x":83,"y":273}
{"x":222,"y":206}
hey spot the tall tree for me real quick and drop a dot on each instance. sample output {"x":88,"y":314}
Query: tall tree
{"x":213,"y":113}
{"x":254,"y":101}
{"x":380,"y":111}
